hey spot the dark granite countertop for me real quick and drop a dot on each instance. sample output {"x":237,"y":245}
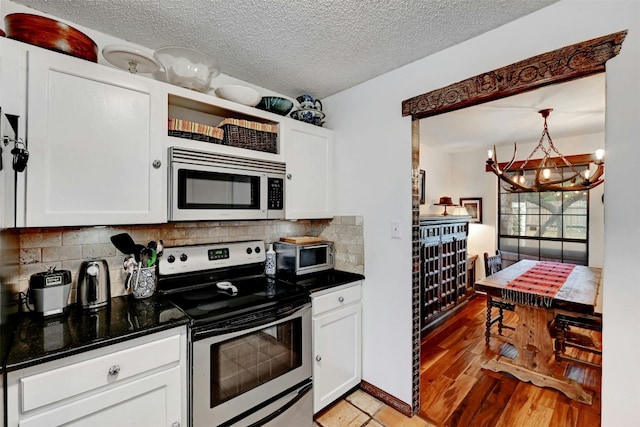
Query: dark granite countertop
{"x":39,"y":340}
{"x":323,"y":280}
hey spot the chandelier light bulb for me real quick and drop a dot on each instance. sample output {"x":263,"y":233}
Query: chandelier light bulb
{"x":586,"y":173}
{"x":490,"y":154}
{"x":599,"y":154}
{"x":546,"y":173}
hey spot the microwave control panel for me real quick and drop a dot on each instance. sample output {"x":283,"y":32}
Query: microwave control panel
{"x":275,"y":194}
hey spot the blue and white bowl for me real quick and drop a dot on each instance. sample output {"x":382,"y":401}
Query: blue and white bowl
{"x":309,"y":115}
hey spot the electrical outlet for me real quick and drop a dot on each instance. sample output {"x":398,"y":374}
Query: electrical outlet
{"x":395,"y":229}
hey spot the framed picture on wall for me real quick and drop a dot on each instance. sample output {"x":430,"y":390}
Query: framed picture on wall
{"x":474,"y":207}
{"x":423,"y":184}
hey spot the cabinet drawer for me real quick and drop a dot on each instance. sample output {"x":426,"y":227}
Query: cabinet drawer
{"x":336,"y":299}
{"x":57,"y":384}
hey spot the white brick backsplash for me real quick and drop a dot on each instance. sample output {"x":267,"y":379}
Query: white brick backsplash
{"x":30,"y":255}
{"x":66,"y":248}
{"x":61,"y":253}
{"x":99,"y":250}
{"x":87,"y":236}
{"x":40,"y":239}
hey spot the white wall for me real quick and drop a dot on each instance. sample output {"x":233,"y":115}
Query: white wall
{"x":373,"y":176}
{"x":439,"y":171}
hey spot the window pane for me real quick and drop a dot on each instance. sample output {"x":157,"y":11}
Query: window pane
{"x":530,"y":247}
{"x":575,"y":227}
{"x":509,"y":245}
{"x":576,"y":204}
{"x":551,"y":226}
{"x":575,"y":253}
{"x":550,"y":251}
{"x":509,"y":225}
{"x":508,"y":203}
{"x":543,"y":220}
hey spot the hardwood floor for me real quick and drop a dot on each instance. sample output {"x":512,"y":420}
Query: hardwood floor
{"x":455,"y":392}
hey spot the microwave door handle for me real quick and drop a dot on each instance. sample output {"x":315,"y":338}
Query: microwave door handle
{"x":315,"y":247}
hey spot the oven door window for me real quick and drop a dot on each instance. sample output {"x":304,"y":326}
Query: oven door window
{"x":246,"y":362}
{"x":215,"y":190}
{"x":310,"y":257}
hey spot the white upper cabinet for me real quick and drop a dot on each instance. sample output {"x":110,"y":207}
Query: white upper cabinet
{"x":95,"y":152}
{"x":98,"y":142}
{"x":308,"y":153}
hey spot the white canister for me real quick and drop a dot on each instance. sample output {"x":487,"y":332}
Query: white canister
{"x":270,"y":262}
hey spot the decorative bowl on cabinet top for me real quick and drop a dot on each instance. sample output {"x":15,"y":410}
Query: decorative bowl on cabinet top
{"x":240,"y":94}
{"x":275,"y":104}
{"x":312,"y":116}
{"x":50,"y":34}
{"x":308,"y":102}
{"x":187,"y":67}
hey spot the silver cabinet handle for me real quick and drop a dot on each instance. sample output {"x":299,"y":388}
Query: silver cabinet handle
{"x":156,"y":164}
{"x":175,"y":424}
{"x":289,"y":176}
{"x":341,"y":299}
{"x":318,"y":358}
{"x":114,"y":370}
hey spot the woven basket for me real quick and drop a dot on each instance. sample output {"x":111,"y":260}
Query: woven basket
{"x":195,"y":131}
{"x":250,"y":135}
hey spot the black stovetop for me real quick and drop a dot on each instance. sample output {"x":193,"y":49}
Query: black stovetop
{"x":191,"y":277}
{"x":206,"y":303}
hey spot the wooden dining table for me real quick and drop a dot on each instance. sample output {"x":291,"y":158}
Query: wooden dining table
{"x":539,"y":291}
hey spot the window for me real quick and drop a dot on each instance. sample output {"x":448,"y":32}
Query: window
{"x":544,"y":226}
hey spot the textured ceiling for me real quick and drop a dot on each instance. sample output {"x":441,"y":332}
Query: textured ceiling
{"x":318,"y":47}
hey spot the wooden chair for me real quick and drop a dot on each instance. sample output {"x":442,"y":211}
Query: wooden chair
{"x":493,"y":264}
{"x":571,"y":330}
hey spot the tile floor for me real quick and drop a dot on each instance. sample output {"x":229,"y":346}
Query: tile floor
{"x":361,"y":409}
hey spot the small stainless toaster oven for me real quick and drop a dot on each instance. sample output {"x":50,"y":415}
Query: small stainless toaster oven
{"x":299,"y":259}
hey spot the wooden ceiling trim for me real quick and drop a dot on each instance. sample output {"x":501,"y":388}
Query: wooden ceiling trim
{"x":575,"y":160}
{"x":564,"y":64}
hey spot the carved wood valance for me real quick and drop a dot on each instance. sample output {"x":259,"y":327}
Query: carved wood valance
{"x":568,"y":63}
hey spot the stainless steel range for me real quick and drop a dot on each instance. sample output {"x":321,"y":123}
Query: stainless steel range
{"x":250,"y":336}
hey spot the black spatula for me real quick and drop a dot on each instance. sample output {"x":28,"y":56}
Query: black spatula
{"x":125,"y":244}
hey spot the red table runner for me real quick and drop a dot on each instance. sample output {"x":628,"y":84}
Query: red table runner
{"x":538,"y":285}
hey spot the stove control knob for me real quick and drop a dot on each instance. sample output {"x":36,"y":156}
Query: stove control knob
{"x":183,"y":257}
{"x":249,"y":251}
{"x":171,"y":259}
{"x":257,"y":249}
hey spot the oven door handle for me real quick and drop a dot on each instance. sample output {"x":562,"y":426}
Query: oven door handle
{"x":247,"y":327}
{"x":300,"y":395}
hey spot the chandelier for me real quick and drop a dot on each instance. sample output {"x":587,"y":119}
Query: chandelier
{"x":549,"y":173}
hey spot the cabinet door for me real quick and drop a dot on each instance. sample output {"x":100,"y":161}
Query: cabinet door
{"x":93,"y":134}
{"x":154,"y":400}
{"x":308,"y":152}
{"x":12,"y":65}
{"x":337,"y":349}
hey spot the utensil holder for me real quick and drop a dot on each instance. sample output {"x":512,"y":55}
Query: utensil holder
{"x":143,"y":282}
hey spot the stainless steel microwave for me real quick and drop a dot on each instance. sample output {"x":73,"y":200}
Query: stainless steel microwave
{"x":210,"y":186}
{"x":298,"y":259}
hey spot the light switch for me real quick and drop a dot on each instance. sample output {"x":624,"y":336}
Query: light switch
{"x":395,"y":229}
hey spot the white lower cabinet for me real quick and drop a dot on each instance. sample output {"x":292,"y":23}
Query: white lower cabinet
{"x":141,"y":382}
{"x":337,"y":342}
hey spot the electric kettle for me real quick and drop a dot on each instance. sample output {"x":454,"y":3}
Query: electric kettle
{"x":94,"y":285}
